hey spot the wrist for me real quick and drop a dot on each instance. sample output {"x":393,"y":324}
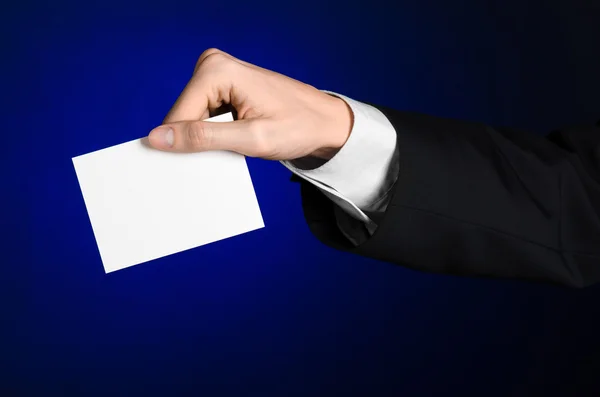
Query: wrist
{"x":340,"y":125}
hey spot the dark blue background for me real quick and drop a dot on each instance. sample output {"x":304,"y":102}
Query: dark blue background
{"x":274,"y":312}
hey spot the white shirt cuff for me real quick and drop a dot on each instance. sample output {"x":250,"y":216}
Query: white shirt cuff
{"x":364,"y":169}
{"x":360,"y":170}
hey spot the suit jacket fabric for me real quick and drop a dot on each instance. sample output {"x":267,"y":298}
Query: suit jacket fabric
{"x":477,"y":200}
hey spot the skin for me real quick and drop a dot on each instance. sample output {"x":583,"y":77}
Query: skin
{"x":278,"y":118}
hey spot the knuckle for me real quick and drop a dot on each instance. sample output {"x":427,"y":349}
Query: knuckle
{"x":197,"y":136}
{"x":217,"y":64}
{"x":216,"y":57}
{"x":215,"y":60}
{"x":206,"y":54}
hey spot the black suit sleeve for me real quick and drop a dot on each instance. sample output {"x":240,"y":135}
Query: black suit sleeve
{"x":475,"y":200}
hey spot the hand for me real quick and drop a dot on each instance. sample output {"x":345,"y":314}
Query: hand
{"x":278,"y":118}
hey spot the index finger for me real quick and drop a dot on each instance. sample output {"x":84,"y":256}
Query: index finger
{"x":192,"y":103}
{"x":207,"y":90}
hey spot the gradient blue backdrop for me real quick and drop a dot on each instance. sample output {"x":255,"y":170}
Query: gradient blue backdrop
{"x":274,"y":312}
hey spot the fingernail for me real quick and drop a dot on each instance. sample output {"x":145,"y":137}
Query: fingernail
{"x":162,"y":136}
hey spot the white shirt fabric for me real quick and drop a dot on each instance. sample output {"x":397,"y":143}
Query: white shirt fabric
{"x":360,"y":177}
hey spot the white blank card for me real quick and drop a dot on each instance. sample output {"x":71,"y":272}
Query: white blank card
{"x":144,"y":204}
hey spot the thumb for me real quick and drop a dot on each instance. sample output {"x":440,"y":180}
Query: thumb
{"x":199,"y":136}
